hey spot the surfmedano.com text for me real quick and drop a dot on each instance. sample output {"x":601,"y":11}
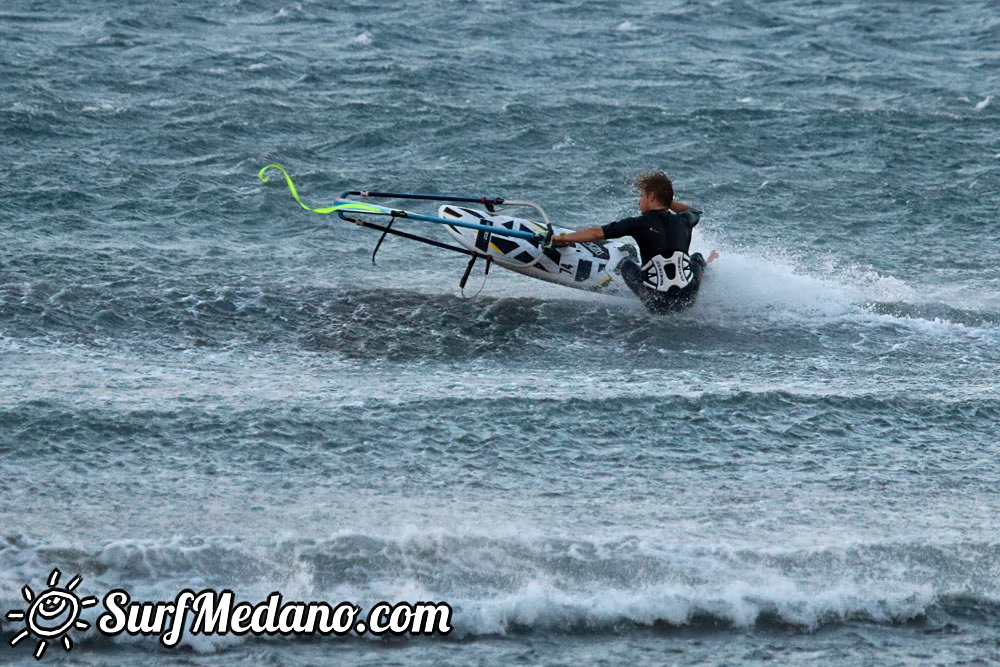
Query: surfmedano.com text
{"x":217,"y":613}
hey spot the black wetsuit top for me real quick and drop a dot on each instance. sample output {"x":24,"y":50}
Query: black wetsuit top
{"x":662,"y":232}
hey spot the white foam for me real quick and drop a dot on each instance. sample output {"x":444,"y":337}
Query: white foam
{"x":545,"y":603}
{"x":772,"y":285}
{"x":289,"y":10}
{"x":364,"y":39}
{"x":750,"y":283}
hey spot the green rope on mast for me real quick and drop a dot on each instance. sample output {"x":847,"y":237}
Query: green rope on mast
{"x":357,"y":207}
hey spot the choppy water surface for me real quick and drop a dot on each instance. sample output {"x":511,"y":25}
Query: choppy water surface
{"x":205,"y":386}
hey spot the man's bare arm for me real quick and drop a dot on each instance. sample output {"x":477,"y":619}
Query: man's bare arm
{"x":580,"y":236}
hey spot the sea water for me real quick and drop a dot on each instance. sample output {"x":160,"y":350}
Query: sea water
{"x":203,"y":386}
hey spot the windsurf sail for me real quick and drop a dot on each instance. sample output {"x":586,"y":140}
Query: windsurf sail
{"x":356,"y":212}
{"x":343,"y":206}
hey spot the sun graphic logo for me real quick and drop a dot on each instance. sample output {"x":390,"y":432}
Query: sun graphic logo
{"x":52,"y":614}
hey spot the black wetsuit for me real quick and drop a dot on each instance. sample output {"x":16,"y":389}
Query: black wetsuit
{"x":661,"y":232}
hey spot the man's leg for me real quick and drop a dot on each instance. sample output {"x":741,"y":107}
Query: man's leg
{"x":663,"y":302}
{"x":632,"y":275}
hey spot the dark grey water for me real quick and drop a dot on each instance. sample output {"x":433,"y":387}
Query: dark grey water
{"x":205,"y":386}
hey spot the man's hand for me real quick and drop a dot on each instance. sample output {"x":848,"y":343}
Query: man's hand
{"x":545,"y":240}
